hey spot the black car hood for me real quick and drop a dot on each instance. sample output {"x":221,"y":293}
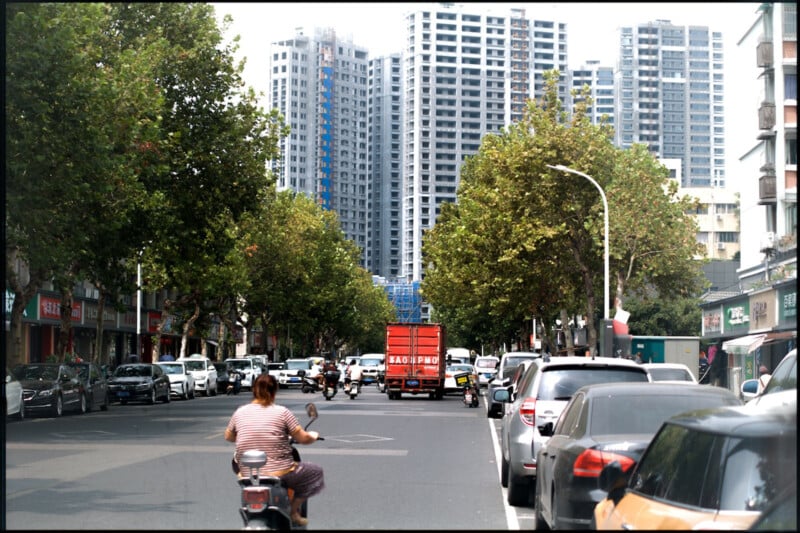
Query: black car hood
{"x":38,"y":384}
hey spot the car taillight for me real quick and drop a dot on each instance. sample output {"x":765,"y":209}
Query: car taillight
{"x":256,"y":497}
{"x":591,"y":462}
{"x":527,"y":411}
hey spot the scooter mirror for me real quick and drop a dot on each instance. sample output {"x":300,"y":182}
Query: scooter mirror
{"x":311,"y":410}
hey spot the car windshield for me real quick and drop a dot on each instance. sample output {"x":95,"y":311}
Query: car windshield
{"x":241,"y":364}
{"x":195,"y":365}
{"x":784,"y":377}
{"x":650,"y":412}
{"x":82,"y":370}
{"x":486,"y":364}
{"x":512,"y":362}
{"x":173,"y":368}
{"x":370,"y":362}
{"x":459,"y":368}
{"x":37,"y":372}
{"x":669,"y":374}
{"x":133,"y":371}
{"x":297,"y":365}
{"x":561,"y":383}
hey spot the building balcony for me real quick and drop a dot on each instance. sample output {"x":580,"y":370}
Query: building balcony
{"x":766,"y":116}
{"x":766,"y":186}
{"x":764,"y":54}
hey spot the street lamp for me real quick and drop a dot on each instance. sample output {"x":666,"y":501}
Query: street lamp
{"x":139,"y":307}
{"x":605,"y":224}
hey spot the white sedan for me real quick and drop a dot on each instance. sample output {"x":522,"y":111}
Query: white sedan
{"x":14,"y":404}
{"x":455,"y":370}
{"x":181,"y":381}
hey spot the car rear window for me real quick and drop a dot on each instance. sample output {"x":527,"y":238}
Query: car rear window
{"x":560,"y":383}
{"x":370,"y":362}
{"x":486,"y":363}
{"x":669,"y":374}
{"x":650,"y":412}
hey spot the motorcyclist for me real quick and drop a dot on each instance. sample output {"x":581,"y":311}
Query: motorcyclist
{"x":264,"y":425}
{"x":353,"y":373}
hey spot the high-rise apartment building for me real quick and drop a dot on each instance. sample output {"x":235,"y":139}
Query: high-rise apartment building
{"x":669,"y":96}
{"x":769,"y":168}
{"x":385,"y":100}
{"x":600,"y":80}
{"x":319,"y":84}
{"x":468,"y":72}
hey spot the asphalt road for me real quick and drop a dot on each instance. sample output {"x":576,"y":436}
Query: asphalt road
{"x":409,"y":464}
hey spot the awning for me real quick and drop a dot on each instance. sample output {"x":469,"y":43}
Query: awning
{"x":744,"y":345}
{"x":749,"y":343}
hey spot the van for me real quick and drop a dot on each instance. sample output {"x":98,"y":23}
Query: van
{"x":458,"y":356}
{"x":486,"y":366}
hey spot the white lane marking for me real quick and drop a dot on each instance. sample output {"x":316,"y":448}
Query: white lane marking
{"x":511,"y":514}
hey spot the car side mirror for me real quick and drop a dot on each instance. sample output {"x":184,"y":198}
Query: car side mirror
{"x":612,"y":477}
{"x":546,"y":430}
{"x":501,"y":396}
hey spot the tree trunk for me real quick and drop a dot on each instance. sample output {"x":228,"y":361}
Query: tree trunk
{"x":98,"y":334}
{"x":187,"y":326}
{"x":66,"y":323}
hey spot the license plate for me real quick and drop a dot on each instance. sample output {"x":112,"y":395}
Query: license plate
{"x":294,"y":380}
{"x":123,"y":393}
{"x":412,"y":383}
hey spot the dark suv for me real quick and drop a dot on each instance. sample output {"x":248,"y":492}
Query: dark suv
{"x":545,"y":389}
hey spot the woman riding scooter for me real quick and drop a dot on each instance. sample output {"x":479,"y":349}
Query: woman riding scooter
{"x":264,"y":425}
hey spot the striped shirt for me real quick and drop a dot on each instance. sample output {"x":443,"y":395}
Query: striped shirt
{"x":267,"y":429}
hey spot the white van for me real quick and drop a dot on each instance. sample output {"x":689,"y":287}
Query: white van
{"x":458,"y":356}
{"x":486,"y":366}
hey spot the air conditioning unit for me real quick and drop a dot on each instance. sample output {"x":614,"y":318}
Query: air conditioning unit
{"x":720,"y":246}
{"x":767,"y":242}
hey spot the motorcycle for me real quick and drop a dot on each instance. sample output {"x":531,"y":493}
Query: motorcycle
{"x":471,"y":394}
{"x":310,"y":385}
{"x":331,"y":384}
{"x":352,"y":388}
{"x":266,"y":503}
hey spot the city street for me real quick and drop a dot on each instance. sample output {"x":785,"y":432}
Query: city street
{"x":408,"y":464}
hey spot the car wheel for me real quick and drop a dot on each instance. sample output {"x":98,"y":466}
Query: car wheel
{"x":184,"y":392}
{"x":518,"y":490}
{"x":21,"y":414}
{"x":208,"y":389}
{"x":106,"y":403}
{"x":153,"y":398}
{"x":82,"y":403}
{"x":168,"y":395}
{"x":58,"y":406}
{"x":191,"y":394}
{"x":214,"y":389}
{"x":504,"y":472}
{"x":540,"y":524}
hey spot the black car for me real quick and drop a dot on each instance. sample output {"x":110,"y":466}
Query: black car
{"x":95,"y":385}
{"x":603,"y":423}
{"x":50,"y":388}
{"x":139,"y":381}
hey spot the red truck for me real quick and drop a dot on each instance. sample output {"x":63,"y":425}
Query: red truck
{"x":415,"y":359}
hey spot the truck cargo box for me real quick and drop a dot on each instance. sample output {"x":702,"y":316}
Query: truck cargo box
{"x":415,"y":359}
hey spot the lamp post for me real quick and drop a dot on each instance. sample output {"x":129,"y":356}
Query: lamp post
{"x":139,"y":308}
{"x":605,"y":224}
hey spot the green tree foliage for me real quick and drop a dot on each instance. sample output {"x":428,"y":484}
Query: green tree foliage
{"x":78,"y":104}
{"x":527,"y":241}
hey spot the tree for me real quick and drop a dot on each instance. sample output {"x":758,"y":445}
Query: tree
{"x":71,"y":84}
{"x":527,"y":241}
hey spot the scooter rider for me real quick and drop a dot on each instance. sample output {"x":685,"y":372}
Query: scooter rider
{"x":353,"y":373}
{"x":264,"y":425}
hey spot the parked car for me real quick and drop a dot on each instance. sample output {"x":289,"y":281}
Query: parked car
{"x":274,"y":368}
{"x":95,"y":384}
{"x":203,"y":372}
{"x":15,"y":406}
{"x":545,"y":389}
{"x":248,"y":367}
{"x":706,"y":469}
{"x":670,"y":372}
{"x":603,"y":423}
{"x":451,"y":372}
{"x":508,"y":365}
{"x":139,"y":381}
{"x":290,"y":376}
{"x":50,"y":388}
{"x":782,"y":386}
{"x":373,"y":367}
{"x":180,"y":379}
{"x":487,"y":368}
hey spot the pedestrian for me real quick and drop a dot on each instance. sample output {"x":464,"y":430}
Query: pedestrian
{"x":763,"y":378}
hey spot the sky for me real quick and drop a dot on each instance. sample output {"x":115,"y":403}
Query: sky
{"x":591,"y":32}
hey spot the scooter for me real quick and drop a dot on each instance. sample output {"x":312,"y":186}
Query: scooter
{"x":352,"y":388}
{"x":331,"y":384}
{"x":310,"y":385}
{"x":471,"y":394}
{"x":235,"y":382}
{"x":266,"y":502}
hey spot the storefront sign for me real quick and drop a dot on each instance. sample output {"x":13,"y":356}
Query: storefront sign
{"x":90,"y":315}
{"x":762,"y":310}
{"x":712,"y":321}
{"x":787,"y":306}
{"x":737,"y":317}
{"x":50,"y":309}
{"x":30,"y":310}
